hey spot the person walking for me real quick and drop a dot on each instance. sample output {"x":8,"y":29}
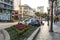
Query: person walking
{"x":54,"y":20}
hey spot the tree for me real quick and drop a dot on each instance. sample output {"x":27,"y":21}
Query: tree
{"x":38,"y":14}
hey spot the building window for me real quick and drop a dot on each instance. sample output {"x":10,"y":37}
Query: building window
{"x":0,"y":10}
{"x":11,"y":2}
{"x":7,"y":1}
{"x":4,"y":5}
{"x":7,"y":6}
{"x":4,"y":10}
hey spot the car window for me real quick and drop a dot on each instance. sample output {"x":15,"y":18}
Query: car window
{"x":26,"y":20}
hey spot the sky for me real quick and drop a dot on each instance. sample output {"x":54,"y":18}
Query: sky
{"x":33,"y":3}
{"x":16,"y":4}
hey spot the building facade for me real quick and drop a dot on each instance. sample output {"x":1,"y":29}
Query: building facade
{"x":6,"y":9}
{"x":15,"y":14}
{"x":40,"y":9}
{"x":26,"y":11}
{"x":56,"y":7}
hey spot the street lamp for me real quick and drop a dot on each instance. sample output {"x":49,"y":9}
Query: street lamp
{"x":51,"y":28}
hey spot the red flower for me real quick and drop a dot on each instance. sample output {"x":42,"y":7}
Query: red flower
{"x":20,"y":26}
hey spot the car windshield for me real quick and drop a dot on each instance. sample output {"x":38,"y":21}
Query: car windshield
{"x":31,"y":20}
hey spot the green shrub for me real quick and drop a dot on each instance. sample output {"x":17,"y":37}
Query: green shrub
{"x":17,"y":34}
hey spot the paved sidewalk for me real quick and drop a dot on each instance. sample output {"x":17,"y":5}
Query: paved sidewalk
{"x":56,"y":27}
{"x":1,"y":36}
{"x":5,"y":25}
{"x":57,"y":23}
{"x":44,"y":33}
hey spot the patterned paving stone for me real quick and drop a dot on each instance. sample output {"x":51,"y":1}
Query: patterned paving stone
{"x":44,"y":34}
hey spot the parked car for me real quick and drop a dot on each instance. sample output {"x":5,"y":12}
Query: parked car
{"x":21,"y":22}
{"x":43,"y":19}
{"x":33,"y":22}
{"x":41,"y":22}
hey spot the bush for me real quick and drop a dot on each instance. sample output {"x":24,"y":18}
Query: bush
{"x":15,"y":32}
{"x":18,"y":34}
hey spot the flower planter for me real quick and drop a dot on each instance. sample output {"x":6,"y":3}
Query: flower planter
{"x":20,"y":34}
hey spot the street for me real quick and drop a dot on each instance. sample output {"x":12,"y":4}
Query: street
{"x":44,"y":33}
{"x":44,"y":14}
{"x":5,"y":25}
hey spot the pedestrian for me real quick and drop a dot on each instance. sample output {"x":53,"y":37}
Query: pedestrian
{"x":57,"y":19}
{"x":54,"y":20}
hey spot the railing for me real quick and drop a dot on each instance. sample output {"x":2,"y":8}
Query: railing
{"x":1,"y":6}
{"x":6,"y":3}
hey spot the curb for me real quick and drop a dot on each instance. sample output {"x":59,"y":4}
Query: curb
{"x":34,"y":34}
{"x":6,"y":35}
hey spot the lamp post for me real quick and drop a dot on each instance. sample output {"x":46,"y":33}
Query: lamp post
{"x":51,"y":27}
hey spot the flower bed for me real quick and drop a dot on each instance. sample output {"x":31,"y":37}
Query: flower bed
{"x":20,"y":26}
{"x":20,"y":34}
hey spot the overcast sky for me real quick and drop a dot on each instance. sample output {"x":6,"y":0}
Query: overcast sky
{"x":33,"y":3}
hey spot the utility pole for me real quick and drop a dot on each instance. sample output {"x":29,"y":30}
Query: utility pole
{"x":51,"y":27}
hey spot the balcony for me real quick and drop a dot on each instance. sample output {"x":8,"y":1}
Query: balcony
{"x":6,"y":3}
{"x":1,"y":5}
{"x":6,"y":8}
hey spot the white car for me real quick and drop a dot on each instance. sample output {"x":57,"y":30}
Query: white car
{"x":33,"y":22}
{"x":23,"y":22}
{"x":43,"y":19}
{"x":27,"y":22}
